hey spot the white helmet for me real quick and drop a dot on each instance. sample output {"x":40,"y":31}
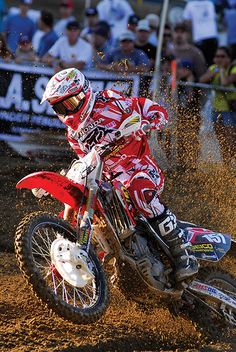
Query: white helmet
{"x":71,"y":97}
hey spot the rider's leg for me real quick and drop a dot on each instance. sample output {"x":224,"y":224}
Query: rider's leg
{"x":144,"y":188}
{"x":166,"y":225}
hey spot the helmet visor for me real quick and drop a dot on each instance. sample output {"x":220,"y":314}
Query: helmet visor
{"x":69,"y":105}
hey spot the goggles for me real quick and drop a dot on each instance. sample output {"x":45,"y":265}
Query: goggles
{"x":69,"y":105}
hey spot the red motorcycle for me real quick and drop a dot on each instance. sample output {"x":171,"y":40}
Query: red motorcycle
{"x":65,"y":263}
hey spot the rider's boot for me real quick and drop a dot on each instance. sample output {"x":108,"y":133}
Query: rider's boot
{"x":166,"y":224}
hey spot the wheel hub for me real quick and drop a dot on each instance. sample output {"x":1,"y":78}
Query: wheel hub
{"x":71,"y":262}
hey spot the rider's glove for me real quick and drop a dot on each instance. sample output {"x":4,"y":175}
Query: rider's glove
{"x":39,"y":192}
{"x":144,"y":130}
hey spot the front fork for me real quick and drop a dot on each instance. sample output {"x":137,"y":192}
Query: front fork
{"x":85,"y":230}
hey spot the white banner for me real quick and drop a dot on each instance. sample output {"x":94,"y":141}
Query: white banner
{"x":22,"y":88}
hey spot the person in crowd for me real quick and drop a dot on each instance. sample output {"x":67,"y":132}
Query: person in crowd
{"x":88,"y":115}
{"x":166,"y":73}
{"x":66,"y":15}
{"x":142,"y":41}
{"x":32,"y":13}
{"x":17,"y":26}
{"x":116,"y":14}
{"x":126,"y":59}
{"x":223,"y":73}
{"x":184,"y":73}
{"x":5,"y":53}
{"x":92,"y":20}
{"x":230,"y":21}
{"x":132,"y":23}
{"x":69,"y":50}
{"x":37,"y":37}
{"x":100,"y":44}
{"x":111,"y":40}
{"x":167,"y":44}
{"x":153,"y":21}
{"x":25,"y":52}
{"x":167,"y":56}
{"x":188,"y":118}
{"x":165,"y":138}
{"x":183,"y":50}
{"x":202,"y":16}
{"x":49,"y":37}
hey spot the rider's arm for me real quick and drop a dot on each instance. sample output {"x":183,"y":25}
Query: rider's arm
{"x":209,"y":75}
{"x":153,"y":113}
{"x":75,"y":146}
{"x":48,"y":59}
{"x":227,"y":79}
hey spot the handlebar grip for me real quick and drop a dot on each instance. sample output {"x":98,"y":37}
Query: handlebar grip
{"x":147,"y":128}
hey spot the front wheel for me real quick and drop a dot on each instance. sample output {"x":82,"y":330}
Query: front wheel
{"x":77,"y":290}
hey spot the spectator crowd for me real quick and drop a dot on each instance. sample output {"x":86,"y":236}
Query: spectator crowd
{"x":113,"y":38}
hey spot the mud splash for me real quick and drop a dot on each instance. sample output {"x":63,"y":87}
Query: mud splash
{"x":205,"y":196}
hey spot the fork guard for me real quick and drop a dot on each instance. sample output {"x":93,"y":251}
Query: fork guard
{"x":60,"y":187}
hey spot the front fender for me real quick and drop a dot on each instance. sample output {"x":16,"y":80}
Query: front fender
{"x":60,"y":187}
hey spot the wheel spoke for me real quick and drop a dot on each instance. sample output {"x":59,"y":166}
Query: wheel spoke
{"x":54,"y":283}
{"x":86,"y":294}
{"x":64,"y":292}
{"x":41,"y":249}
{"x":80,"y":298}
{"x":41,"y":255}
{"x":71,"y":294}
{"x":47,"y":241}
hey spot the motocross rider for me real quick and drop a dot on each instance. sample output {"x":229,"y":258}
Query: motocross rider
{"x":93,"y":118}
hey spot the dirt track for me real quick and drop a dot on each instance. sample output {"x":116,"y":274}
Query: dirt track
{"x":28,"y":326}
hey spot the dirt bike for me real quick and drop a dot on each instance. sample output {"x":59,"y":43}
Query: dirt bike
{"x":65,"y":263}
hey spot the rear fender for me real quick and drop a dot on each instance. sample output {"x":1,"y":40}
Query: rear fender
{"x":60,"y":187}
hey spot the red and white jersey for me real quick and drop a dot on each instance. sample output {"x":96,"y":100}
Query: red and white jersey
{"x":111,"y":108}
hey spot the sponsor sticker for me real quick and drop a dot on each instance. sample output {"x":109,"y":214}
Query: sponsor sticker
{"x":203,"y":247}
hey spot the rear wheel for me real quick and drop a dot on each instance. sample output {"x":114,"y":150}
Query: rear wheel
{"x":221,"y":318}
{"x":70,"y":282}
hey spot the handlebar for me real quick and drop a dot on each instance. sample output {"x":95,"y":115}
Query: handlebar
{"x":111,"y":147}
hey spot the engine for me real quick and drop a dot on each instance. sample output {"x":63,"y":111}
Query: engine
{"x":148,"y":265}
